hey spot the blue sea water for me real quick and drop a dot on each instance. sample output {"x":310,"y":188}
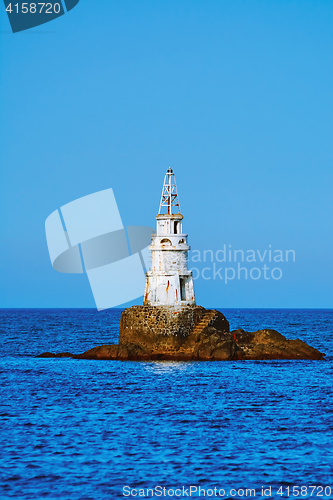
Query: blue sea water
{"x":79,"y":429}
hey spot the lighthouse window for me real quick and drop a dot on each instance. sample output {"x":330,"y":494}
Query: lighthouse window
{"x":176,"y":227}
{"x":166,"y":242}
{"x":182,"y":288}
{"x":182,"y":241}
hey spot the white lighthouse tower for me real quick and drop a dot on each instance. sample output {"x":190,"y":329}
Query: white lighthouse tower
{"x":169,"y":283}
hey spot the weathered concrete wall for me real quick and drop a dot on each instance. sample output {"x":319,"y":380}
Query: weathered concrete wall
{"x":165,"y":289}
{"x":169,"y":282}
{"x":169,"y":261}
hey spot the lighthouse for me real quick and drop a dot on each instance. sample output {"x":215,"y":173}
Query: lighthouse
{"x":169,"y":282}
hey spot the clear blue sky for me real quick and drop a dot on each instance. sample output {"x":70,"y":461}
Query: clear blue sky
{"x":235,"y":95}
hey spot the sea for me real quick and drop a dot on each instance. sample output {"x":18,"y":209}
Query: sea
{"x":95,"y":430}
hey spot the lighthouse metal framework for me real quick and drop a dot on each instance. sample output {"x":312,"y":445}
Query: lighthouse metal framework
{"x":169,"y":282}
{"x":169,"y":198}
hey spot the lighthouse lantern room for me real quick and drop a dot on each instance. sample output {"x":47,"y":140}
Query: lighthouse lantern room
{"x":169,"y":282}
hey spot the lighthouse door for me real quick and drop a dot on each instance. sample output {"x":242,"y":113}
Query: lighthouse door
{"x":182,"y":288}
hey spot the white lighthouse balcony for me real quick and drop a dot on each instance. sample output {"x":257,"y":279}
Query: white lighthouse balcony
{"x":178,"y":272}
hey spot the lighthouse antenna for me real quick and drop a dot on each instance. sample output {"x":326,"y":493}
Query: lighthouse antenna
{"x":169,"y":198}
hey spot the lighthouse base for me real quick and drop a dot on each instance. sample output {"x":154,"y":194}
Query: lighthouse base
{"x":170,"y":332}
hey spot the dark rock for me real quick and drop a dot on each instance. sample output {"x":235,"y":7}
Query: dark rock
{"x":270,"y":344}
{"x":100,"y":352}
{"x":191,"y":333}
{"x":52,"y":355}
